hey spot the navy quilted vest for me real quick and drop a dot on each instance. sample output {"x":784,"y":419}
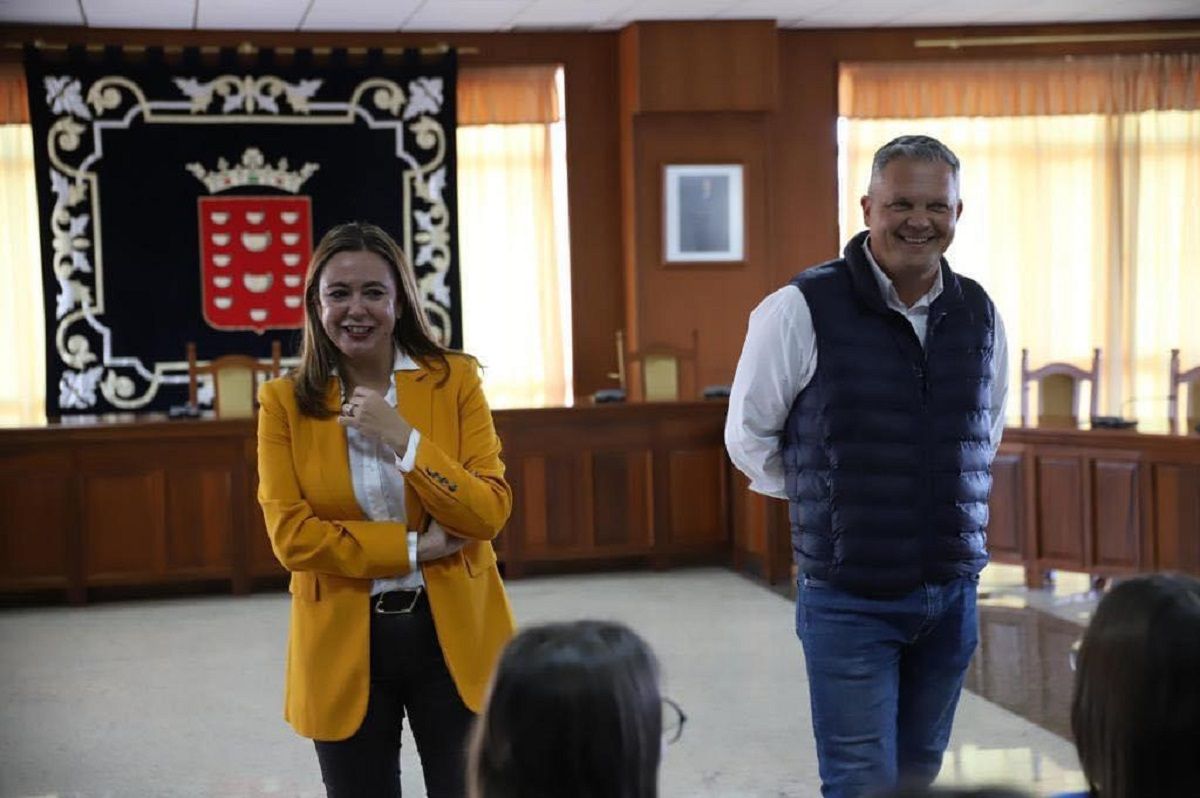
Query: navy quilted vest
{"x":887,"y":453}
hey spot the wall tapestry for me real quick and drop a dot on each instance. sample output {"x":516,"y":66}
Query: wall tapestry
{"x":181,"y":197}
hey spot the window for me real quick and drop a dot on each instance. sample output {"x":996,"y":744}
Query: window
{"x":22,"y":327}
{"x":515,"y":267}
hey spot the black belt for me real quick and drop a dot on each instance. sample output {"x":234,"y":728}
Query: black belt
{"x":398,"y":602}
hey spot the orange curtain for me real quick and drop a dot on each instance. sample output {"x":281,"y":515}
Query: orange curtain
{"x":1081,"y":190}
{"x":14,"y":104}
{"x":1035,"y":87}
{"x":517,"y":95}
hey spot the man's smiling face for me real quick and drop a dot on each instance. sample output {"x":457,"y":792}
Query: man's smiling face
{"x":911,"y":210}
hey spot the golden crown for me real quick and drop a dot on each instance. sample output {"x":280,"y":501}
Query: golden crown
{"x":252,"y":171}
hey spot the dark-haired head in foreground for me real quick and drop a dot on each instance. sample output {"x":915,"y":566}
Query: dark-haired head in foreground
{"x":574,"y":710}
{"x":1135,"y":714}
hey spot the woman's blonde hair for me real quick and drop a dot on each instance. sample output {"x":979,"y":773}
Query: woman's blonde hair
{"x":412,"y":334}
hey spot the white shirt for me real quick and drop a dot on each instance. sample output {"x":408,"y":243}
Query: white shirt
{"x":779,"y":359}
{"x":377,"y":474}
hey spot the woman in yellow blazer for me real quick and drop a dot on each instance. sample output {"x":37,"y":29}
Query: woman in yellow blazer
{"x":382,"y":487}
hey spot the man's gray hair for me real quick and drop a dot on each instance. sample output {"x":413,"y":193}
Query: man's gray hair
{"x":917,"y":148}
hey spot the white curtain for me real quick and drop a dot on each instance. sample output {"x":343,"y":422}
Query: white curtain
{"x":22,"y":358}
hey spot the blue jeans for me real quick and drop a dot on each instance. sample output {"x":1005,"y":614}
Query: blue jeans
{"x":884,"y":679}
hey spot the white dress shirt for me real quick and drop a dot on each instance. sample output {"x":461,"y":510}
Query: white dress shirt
{"x":377,"y":474}
{"x":779,"y":359}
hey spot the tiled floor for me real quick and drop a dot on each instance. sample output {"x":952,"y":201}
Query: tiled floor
{"x":182,"y":697}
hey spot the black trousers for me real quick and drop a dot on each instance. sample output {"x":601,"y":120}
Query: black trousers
{"x":408,"y":675}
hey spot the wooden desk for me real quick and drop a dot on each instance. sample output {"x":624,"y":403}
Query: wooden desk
{"x":129,"y":503}
{"x":645,"y":481}
{"x":1105,"y":502}
{"x":149,"y":502}
{"x":152,"y":502}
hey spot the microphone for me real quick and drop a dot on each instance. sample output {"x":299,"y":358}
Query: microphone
{"x":1121,"y":422}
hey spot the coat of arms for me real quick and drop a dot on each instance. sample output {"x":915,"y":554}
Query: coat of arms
{"x":254,"y":249}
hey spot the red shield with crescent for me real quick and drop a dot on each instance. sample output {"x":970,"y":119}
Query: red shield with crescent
{"x":253,"y":254}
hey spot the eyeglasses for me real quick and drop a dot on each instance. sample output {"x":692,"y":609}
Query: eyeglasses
{"x":1073,"y":654}
{"x":672,"y":721}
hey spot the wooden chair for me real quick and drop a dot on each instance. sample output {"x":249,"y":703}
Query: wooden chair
{"x":1058,"y":390}
{"x":1179,"y":378}
{"x":235,"y":380}
{"x":661,"y":371}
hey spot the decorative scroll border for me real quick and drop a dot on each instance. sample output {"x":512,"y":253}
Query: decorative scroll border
{"x":84,"y":113}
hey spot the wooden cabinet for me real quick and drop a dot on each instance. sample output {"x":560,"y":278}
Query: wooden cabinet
{"x":126,"y":504}
{"x":39,"y":518}
{"x":1006,"y":525}
{"x":1176,"y":513}
{"x":1097,"y":501}
{"x":615,"y":483}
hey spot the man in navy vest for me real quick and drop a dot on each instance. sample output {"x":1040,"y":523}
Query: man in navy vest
{"x":870,"y":393}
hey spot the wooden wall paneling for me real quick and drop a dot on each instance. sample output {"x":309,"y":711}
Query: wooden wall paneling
{"x":727,"y":65}
{"x":662,"y":300}
{"x":38,"y":513}
{"x":1116,"y":514}
{"x":1177,"y":517}
{"x":641,"y":488}
{"x":1147,"y":531}
{"x":725,"y":501}
{"x":584,"y":494}
{"x":697,"y":507}
{"x":509,"y":541}
{"x":1060,"y":509}
{"x":563,"y":503}
{"x":202,"y":520}
{"x":748,"y":525}
{"x":535,"y":522}
{"x":621,"y":498}
{"x":124,"y":527}
{"x":594,"y":206}
{"x":1005,"y":530}
{"x":781,"y":559}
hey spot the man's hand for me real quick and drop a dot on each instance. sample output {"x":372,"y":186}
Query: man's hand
{"x":437,"y":543}
{"x":369,"y":413}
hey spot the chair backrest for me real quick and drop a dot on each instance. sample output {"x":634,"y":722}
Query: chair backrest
{"x":1058,"y":390}
{"x":662,"y":371}
{"x":235,"y":380}
{"x":1180,"y":379}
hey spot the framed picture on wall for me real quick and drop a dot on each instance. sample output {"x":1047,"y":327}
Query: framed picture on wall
{"x":704,"y":213}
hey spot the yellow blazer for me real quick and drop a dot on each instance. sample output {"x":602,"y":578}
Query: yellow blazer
{"x":319,"y":533}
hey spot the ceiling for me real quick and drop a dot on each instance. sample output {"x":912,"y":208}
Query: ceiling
{"x":510,"y":15}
